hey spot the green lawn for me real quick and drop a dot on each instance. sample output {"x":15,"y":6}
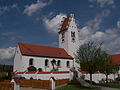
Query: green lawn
{"x":112,"y":85}
{"x":75,"y":87}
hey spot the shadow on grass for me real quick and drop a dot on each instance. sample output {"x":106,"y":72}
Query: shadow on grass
{"x":111,"y":85}
{"x":75,"y":85}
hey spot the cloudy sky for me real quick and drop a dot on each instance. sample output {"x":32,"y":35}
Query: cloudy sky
{"x":38,"y":21}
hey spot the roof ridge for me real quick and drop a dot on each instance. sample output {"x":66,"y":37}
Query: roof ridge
{"x":40,"y":45}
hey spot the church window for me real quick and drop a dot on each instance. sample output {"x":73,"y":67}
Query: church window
{"x":63,"y":36}
{"x":68,"y":64}
{"x":73,"y":36}
{"x":46,"y":62}
{"x":31,"y":62}
{"x":58,"y":63}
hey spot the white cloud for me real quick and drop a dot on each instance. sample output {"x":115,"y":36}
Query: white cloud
{"x":98,"y":35}
{"x":118,"y":24}
{"x":7,"y":8}
{"x":14,"y":6}
{"x":103,"y":3}
{"x":34,"y":7}
{"x":94,"y":24}
{"x":7,"y":53}
{"x":53,"y":24}
{"x":7,"y":33}
{"x":93,"y":31}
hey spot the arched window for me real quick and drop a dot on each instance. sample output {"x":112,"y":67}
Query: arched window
{"x":68,"y":64}
{"x":63,"y":36}
{"x":58,"y":63}
{"x":46,"y":62}
{"x":31,"y":62}
{"x":73,"y":36}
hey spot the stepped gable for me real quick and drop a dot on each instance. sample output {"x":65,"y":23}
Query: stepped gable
{"x":65,"y":24}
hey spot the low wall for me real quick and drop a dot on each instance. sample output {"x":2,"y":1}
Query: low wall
{"x":46,"y":75}
{"x":98,"y":77}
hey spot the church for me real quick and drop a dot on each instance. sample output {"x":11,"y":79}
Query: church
{"x":49,"y":61}
{"x":47,"y":58}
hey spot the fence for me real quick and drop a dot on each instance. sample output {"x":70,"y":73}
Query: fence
{"x":34,"y":83}
{"x":6,"y":85}
{"x":43,"y":84}
{"x":61,"y":82}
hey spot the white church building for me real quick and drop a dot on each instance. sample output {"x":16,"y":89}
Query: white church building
{"x":48,"y":58}
{"x":52,"y":61}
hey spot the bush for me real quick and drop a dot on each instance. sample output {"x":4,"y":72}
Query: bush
{"x":118,"y":79}
{"x":89,"y":82}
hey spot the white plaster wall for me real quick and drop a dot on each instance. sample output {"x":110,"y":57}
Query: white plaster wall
{"x":47,"y":76}
{"x":63,"y":44}
{"x":17,"y":60}
{"x":73,"y":46}
{"x":39,"y":62}
{"x":68,"y":45}
{"x":98,"y":77}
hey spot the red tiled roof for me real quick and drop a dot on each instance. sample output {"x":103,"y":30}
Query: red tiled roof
{"x":60,"y":72}
{"x":20,"y":72}
{"x":44,"y":72}
{"x":31,"y":72}
{"x":115,"y":59}
{"x":65,"y":24}
{"x":43,"y":51}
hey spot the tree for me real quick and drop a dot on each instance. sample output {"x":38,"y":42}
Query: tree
{"x":90,"y":57}
{"x":107,"y":67}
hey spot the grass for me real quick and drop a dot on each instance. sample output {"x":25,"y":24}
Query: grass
{"x":75,"y":87}
{"x":112,"y":85}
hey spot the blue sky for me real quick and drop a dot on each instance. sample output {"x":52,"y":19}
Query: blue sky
{"x":37,"y":22}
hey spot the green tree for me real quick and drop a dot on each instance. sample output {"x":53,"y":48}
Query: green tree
{"x":90,"y":57}
{"x":107,"y":67}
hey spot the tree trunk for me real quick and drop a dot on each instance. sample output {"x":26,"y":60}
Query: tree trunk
{"x":90,"y":79}
{"x":114,"y":76}
{"x":106,"y":78}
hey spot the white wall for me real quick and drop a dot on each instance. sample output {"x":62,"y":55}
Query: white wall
{"x":47,"y":76}
{"x":70,"y":46}
{"x":39,"y":62}
{"x":98,"y":77}
{"x":17,"y":60}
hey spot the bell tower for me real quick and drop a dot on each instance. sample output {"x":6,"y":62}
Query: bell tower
{"x":68,"y":35}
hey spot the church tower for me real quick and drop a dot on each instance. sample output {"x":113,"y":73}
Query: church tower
{"x":68,"y":35}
